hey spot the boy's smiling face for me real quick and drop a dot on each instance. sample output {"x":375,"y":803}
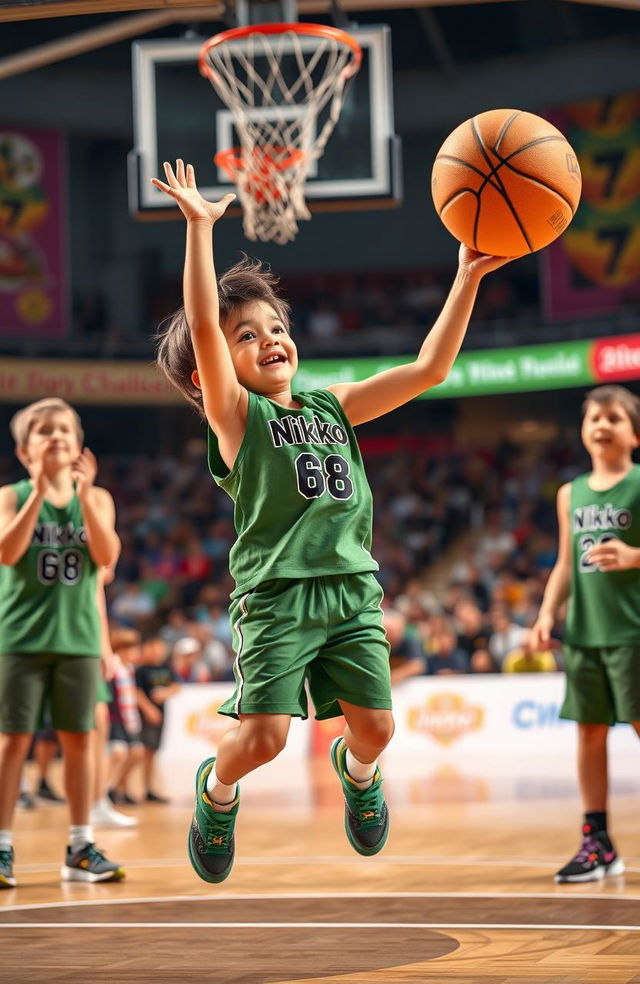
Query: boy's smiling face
{"x":264,"y":355}
{"x":607,"y":430}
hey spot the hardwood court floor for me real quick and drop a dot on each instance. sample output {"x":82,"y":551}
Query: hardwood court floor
{"x":463,"y":893}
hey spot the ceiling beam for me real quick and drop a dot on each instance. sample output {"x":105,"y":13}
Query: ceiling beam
{"x":96,"y":37}
{"x":621,"y":4}
{"x":198,"y":9}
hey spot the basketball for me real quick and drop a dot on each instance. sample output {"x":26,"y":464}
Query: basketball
{"x":506,"y":182}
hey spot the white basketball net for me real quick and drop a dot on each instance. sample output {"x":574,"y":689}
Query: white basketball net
{"x":285,"y":92}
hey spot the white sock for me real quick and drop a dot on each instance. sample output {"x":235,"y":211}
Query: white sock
{"x":220,"y":795}
{"x":362,"y":773}
{"x":80,"y":835}
{"x":6,"y":840}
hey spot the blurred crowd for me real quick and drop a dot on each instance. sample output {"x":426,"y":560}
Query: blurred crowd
{"x":483,"y":522}
{"x":465,"y":542}
{"x":328,"y":309}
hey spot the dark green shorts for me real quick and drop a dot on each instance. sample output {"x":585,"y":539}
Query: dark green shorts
{"x":602,"y":684}
{"x":326,"y":631}
{"x":103,"y":695}
{"x":67,"y":684}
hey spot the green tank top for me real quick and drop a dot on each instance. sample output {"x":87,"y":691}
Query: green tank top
{"x":303,"y":506}
{"x":604,"y":607}
{"x":48,"y":599}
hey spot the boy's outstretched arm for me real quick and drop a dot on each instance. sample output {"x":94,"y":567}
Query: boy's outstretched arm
{"x":559,"y":583}
{"x":387,"y":390}
{"x":222,"y":394}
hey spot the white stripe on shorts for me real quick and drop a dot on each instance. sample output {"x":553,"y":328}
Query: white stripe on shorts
{"x":237,"y":669}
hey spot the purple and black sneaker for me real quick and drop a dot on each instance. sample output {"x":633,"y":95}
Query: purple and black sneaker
{"x":596,"y":859}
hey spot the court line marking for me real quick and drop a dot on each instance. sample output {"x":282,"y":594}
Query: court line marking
{"x":282,"y":896}
{"x":555,"y":927}
{"x":439,"y":862}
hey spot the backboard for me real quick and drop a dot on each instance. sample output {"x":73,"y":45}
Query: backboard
{"x":177,"y":113}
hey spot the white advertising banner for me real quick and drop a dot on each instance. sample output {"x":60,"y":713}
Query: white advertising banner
{"x":489,"y":726}
{"x":193,"y":729}
{"x":458,"y":718}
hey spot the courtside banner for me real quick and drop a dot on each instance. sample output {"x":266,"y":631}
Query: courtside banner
{"x":508,"y":370}
{"x":456,"y":729}
{"x":193,"y":728}
{"x":84,"y":381}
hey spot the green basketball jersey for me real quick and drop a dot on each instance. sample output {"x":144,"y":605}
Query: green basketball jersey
{"x":303,"y":506}
{"x":48,"y":599}
{"x":604,"y":607}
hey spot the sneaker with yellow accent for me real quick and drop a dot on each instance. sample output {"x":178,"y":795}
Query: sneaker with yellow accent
{"x":366,"y":818}
{"x":6,"y":868}
{"x":88,"y":864}
{"x":211,"y":840}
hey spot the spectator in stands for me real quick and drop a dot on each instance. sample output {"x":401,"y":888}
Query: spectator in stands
{"x":323,"y":322}
{"x":483,"y":662}
{"x":133,"y":607}
{"x":156,"y":682}
{"x":472,"y":631}
{"x":496,"y":543}
{"x":445,"y":657}
{"x":406,"y":656}
{"x":506,"y":635}
{"x":125,"y":742}
{"x":187,"y":662}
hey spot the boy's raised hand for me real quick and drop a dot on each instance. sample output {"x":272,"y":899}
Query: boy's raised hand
{"x":181,"y":185}
{"x":479,"y":263}
{"x":37,"y":473}
{"x":83,"y":471}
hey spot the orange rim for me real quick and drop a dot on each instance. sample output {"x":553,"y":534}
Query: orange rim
{"x":232,"y":161}
{"x":312,"y":30}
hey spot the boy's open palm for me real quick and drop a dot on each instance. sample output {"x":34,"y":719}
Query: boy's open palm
{"x":181,"y":185}
{"x":480,"y":263}
{"x":83,"y":471}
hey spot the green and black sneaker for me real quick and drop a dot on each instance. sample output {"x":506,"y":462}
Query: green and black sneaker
{"x":6,"y":868}
{"x":366,"y":818}
{"x":211,"y":840}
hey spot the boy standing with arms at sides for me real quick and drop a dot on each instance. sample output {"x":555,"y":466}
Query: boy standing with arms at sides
{"x":306,"y":604}
{"x":56,"y":530}
{"x":597,"y":570}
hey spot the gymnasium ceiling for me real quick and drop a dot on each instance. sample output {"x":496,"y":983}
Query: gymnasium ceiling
{"x":427,"y":34}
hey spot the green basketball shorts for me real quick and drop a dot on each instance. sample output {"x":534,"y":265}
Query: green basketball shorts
{"x":103,"y":695}
{"x":324,"y":631}
{"x":602,"y":684}
{"x":66,"y":684}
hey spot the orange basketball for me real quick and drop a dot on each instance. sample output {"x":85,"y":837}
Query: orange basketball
{"x":506,"y":182}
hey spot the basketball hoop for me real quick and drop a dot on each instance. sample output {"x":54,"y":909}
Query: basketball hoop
{"x":285,"y":88}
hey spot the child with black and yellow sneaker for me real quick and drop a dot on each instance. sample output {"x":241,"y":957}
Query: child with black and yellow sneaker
{"x":56,"y":529}
{"x":597,"y":570}
{"x":306,"y":604}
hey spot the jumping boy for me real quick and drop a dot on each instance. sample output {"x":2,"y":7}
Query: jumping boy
{"x":306,"y":603}
{"x":56,"y":529}
{"x":598,"y":557}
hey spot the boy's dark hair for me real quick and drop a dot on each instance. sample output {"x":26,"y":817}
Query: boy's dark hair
{"x":247,"y":280}
{"x":616,"y":394}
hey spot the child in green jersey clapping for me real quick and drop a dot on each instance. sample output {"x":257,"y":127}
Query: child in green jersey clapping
{"x":56,"y":530}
